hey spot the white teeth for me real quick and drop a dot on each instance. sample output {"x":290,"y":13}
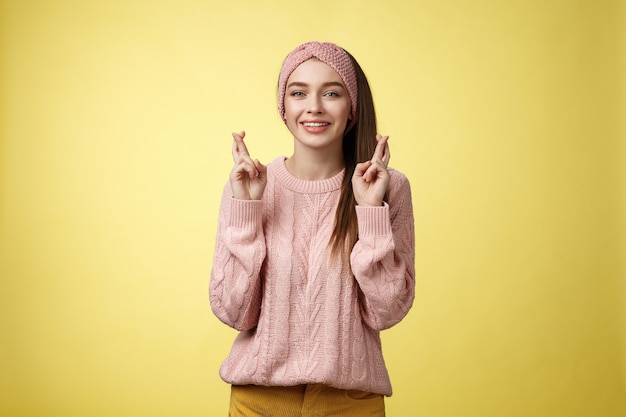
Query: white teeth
{"x":315,"y":124}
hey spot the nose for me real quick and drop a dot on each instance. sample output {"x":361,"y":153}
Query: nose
{"x":314,"y":104}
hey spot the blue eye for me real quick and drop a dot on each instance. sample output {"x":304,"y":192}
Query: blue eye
{"x":332,"y":94}
{"x":297,"y":94}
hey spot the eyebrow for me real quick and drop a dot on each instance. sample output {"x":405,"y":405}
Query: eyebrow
{"x":328,"y":84}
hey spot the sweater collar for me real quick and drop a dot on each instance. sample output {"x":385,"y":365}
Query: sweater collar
{"x":303,"y":186}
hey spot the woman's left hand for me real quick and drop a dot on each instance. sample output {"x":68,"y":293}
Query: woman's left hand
{"x":371,"y":178}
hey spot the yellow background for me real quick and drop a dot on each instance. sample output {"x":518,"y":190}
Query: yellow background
{"x":507,"y":117}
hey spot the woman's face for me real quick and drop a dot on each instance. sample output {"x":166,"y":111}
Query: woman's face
{"x":317,"y":105}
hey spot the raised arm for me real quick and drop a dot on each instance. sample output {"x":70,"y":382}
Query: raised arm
{"x":383,"y":258}
{"x":235,"y":288}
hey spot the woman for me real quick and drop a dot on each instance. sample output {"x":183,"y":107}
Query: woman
{"x":315,"y":252}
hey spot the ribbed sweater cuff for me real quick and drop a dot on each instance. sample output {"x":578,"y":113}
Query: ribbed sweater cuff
{"x":373,"y":221}
{"x":246,"y":214}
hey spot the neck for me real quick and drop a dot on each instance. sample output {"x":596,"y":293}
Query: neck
{"x":314,"y":166}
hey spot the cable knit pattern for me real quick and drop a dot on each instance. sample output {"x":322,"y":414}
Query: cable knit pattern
{"x":302,"y":317}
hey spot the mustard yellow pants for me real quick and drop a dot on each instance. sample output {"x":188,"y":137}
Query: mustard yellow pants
{"x":312,"y":400}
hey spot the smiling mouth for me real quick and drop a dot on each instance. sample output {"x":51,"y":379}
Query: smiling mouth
{"x":315,"y":124}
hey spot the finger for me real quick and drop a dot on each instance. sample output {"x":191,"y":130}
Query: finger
{"x":240,"y":151}
{"x":374,"y":171}
{"x":235,"y":150}
{"x":239,"y":143}
{"x":241,"y":157}
{"x":248,"y":168}
{"x":361,"y":168}
{"x":379,"y":152}
{"x":261,"y":169}
{"x":386,"y":155}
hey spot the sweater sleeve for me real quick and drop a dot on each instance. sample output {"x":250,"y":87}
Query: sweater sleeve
{"x":383,"y":258}
{"x":235,"y":288}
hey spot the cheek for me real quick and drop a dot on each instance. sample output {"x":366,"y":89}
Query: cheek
{"x":343,"y":111}
{"x":345,"y":107}
{"x":290,"y":116}
{"x":291,"y":110}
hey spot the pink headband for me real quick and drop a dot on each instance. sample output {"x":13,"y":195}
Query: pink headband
{"x":330,"y":54}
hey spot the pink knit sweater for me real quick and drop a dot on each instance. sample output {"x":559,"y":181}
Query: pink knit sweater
{"x":302,"y":317}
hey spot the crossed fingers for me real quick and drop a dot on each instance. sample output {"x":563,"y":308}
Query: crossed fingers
{"x":241,"y":156}
{"x":381,"y":153}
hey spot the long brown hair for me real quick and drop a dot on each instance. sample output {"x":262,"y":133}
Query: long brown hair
{"x":359,"y":144}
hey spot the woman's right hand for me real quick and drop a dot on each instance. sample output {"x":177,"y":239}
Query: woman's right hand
{"x":248,"y":177}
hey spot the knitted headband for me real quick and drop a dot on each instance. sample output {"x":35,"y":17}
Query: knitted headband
{"x":330,"y":54}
